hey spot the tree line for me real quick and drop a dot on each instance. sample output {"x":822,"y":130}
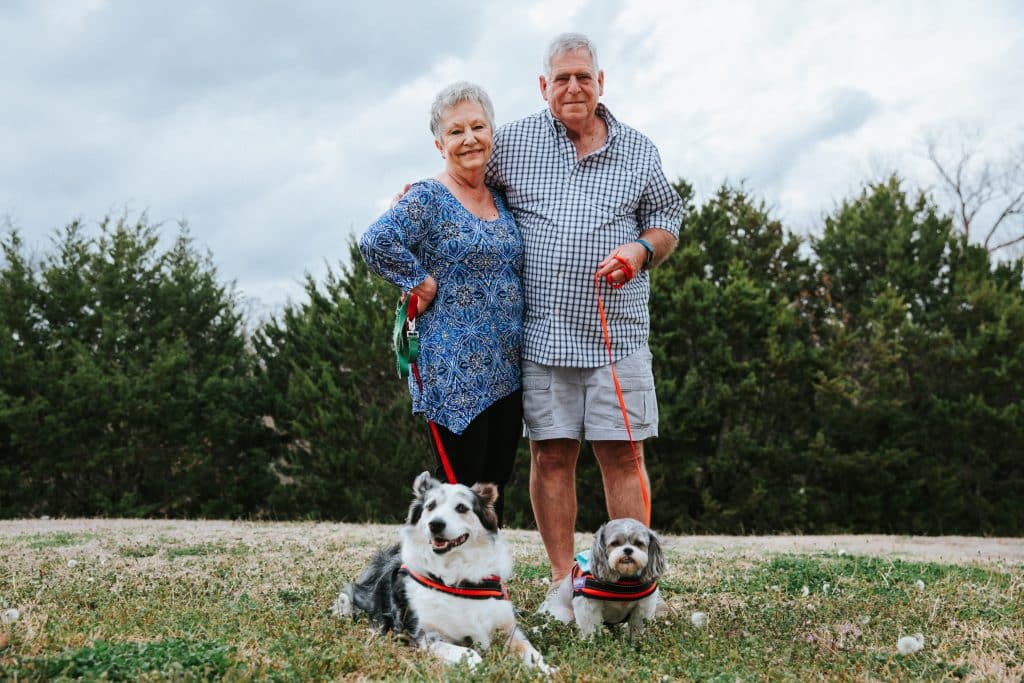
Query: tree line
{"x":867,"y":379}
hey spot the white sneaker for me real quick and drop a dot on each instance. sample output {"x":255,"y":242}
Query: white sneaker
{"x":556,"y":607}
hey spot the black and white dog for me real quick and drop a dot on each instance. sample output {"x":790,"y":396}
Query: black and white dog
{"x":443,"y":584}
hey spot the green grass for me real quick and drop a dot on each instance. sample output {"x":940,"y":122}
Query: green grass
{"x":176,"y":608}
{"x":58,"y":539}
{"x":171,"y":658}
{"x":140,"y":551}
{"x":195,"y":551}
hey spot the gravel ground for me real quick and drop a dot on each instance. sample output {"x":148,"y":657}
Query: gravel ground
{"x":526,"y":543}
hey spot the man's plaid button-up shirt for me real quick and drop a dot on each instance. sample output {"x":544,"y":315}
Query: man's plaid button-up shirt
{"x":572,"y":213}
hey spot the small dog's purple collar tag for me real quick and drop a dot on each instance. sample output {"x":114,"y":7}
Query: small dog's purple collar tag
{"x":579,"y":582}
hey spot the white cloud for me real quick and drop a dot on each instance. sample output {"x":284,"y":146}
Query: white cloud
{"x":276,"y":133}
{"x":762,"y":91}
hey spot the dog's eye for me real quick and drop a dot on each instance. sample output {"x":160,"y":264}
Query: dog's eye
{"x":615,"y":543}
{"x":639,"y":544}
{"x":431,"y":505}
{"x":462,"y":508}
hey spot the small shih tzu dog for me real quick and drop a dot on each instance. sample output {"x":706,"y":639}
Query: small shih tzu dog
{"x":443,"y":584}
{"x":618,"y":581}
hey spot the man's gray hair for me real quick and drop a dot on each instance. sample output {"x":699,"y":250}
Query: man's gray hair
{"x":570,"y":42}
{"x":460,"y":91}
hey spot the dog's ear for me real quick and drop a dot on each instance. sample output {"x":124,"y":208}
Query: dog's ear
{"x":487,"y":493}
{"x":424,"y":482}
{"x":415,"y":511}
{"x":599,"y":556}
{"x":483,"y":506}
{"x":655,"y":558}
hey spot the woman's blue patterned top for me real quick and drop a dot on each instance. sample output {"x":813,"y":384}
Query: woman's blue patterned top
{"x":471,"y":334}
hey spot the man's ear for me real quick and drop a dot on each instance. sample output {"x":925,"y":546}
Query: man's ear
{"x":543,"y":82}
{"x":600,"y":82}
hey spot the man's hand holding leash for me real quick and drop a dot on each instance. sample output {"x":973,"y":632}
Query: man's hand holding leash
{"x":622,"y":264}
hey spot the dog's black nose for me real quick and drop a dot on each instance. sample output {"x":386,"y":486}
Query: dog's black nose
{"x":627,"y":550}
{"x":436,"y":526}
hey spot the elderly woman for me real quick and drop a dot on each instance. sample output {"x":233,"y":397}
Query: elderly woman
{"x":452,"y":241}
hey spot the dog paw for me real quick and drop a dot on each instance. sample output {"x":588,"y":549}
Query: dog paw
{"x":342,"y":606}
{"x":455,"y":654}
{"x":472,"y":658}
{"x":458,"y":655}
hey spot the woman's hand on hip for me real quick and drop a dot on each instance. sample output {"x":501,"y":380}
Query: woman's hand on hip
{"x":425,"y":291}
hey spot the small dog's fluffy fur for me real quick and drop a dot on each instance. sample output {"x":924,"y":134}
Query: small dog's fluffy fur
{"x":451,"y":533}
{"x":622,"y":549}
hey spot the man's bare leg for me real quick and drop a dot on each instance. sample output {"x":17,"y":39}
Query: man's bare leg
{"x":622,"y":493}
{"x":553,"y":497}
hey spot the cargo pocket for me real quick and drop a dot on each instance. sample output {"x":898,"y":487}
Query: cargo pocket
{"x":641,"y":406}
{"x":537,"y":407}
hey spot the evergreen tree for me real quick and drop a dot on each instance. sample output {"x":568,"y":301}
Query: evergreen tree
{"x":921,"y":426}
{"x":126,"y":385}
{"x":878,"y":389}
{"x":732,"y":331}
{"x":353,"y":447}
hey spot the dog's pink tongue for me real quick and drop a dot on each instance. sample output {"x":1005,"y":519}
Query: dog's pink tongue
{"x":439,"y":542}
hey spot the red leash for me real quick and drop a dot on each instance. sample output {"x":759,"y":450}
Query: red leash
{"x":615,"y":377}
{"x":410,"y":326}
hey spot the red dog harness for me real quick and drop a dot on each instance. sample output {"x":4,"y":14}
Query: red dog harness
{"x":490,"y":588}
{"x":584,"y":583}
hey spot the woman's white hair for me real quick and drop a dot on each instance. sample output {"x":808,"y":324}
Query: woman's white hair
{"x":570,"y":42}
{"x":460,"y":91}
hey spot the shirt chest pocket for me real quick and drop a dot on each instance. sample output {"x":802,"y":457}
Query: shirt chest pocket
{"x":616,"y":195}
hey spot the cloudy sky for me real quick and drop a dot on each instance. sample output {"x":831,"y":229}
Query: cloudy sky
{"x":278,"y":129}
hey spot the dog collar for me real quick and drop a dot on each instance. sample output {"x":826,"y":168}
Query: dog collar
{"x":491,"y":587}
{"x":584,"y":583}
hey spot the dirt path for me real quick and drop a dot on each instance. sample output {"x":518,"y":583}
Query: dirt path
{"x":941,"y":549}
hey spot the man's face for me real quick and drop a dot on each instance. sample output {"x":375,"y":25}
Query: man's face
{"x":573,"y":87}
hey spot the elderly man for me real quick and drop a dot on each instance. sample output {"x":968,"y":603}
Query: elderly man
{"x":590,"y":198}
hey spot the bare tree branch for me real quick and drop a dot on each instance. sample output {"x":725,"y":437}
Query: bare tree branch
{"x":979,"y":188}
{"x":1008,"y":243}
{"x":1014,"y":208}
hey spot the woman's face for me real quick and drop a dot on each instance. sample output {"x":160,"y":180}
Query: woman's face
{"x":466,"y":141}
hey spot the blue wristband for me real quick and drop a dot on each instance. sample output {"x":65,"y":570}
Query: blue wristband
{"x":650,"y":251}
